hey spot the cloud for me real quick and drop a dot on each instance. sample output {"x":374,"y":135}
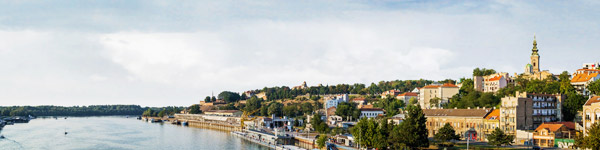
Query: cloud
{"x":156,"y":53}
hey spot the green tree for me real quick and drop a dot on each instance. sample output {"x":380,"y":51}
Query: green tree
{"x":483,"y":72}
{"x":275,"y":108}
{"x":571,"y":104}
{"x":321,"y":140}
{"x":446,"y":134}
{"x":213,"y":99}
{"x":413,"y":132}
{"x":594,"y":87}
{"x":499,"y":138}
{"x":318,"y":124}
{"x":413,"y":101}
{"x":162,"y":113}
{"x":207,"y":99}
{"x":346,"y":110}
{"x":307,"y":108}
{"x":592,"y":140}
{"x":148,"y":113}
{"x":253,"y":103}
{"x":433,"y":102}
{"x":229,"y":97}
{"x":195,"y":109}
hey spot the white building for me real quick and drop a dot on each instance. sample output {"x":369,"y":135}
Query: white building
{"x":335,"y":100}
{"x":583,"y":77}
{"x":370,"y":112}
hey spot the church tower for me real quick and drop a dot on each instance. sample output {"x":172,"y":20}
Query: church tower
{"x":535,"y":57}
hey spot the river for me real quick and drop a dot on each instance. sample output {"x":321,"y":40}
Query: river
{"x":115,"y":132}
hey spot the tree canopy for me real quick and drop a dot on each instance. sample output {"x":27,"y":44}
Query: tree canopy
{"x":347,"y":110}
{"x":229,"y":97}
{"x":445,"y":134}
{"x":499,"y":138}
{"x":483,"y":72}
{"x":592,"y":140}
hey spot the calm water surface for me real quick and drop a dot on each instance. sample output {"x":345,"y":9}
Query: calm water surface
{"x":115,"y":132}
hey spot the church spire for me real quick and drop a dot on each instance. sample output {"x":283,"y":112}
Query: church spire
{"x":534,"y":49}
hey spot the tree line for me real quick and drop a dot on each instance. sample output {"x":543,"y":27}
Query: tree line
{"x":92,"y":110}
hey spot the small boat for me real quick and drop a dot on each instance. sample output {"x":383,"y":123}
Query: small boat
{"x":184,"y":123}
{"x":1,"y":136}
{"x":66,"y":132}
{"x":65,"y":117}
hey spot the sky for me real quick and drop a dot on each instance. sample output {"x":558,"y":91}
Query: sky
{"x":175,"y":53}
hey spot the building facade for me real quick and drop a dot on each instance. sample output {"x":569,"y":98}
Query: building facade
{"x":525,"y":111}
{"x":493,"y":82}
{"x":333,"y":101}
{"x":370,"y":112}
{"x":466,"y":122}
{"x":442,"y":92}
{"x":583,"y":77}
{"x":546,"y":134}
{"x":490,"y":123}
{"x":591,"y":112}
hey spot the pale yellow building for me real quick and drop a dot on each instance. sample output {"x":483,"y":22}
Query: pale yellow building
{"x":591,"y":113}
{"x":466,"y":122}
{"x":444,"y":92}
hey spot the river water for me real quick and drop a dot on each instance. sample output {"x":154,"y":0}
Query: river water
{"x":115,"y":132}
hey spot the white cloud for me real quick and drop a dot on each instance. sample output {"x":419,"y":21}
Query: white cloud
{"x":101,"y":55}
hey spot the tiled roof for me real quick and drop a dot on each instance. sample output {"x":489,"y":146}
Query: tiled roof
{"x":409,"y":94}
{"x":496,"y":78}
{"x":449,"y":85}
{"x":583,"y":77}
{"x":550,"y":127}
{"x":456,"y":112}
{"x":431,"y":86}
{"x":494,"y":115}
{"x":569,"y":125}
{"x":594,"y":99}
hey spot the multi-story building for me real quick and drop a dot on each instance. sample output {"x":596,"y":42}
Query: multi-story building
{"x":333,"y":101}
{"x":591,"y":112}
{"x":466,"y":122}
{"x":442,"y":92}
{"x":407,"y":96}
{"x":492,"y":83}
{"x":583,"y":77}
{"x":490,"y":123}
{"x":525,"y":111}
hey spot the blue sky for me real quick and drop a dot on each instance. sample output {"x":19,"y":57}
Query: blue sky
{"x":156,"y":53}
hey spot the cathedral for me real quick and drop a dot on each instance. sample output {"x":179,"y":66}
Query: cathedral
{"x":532,"y":70}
